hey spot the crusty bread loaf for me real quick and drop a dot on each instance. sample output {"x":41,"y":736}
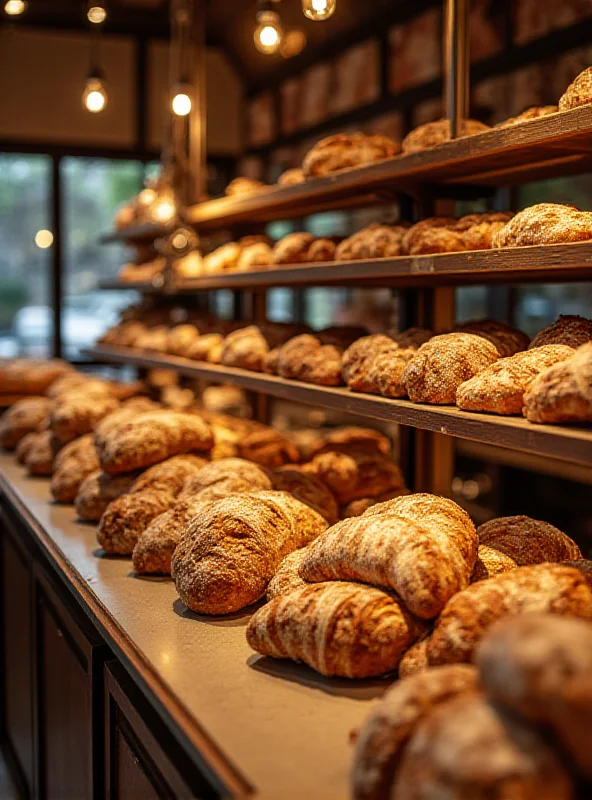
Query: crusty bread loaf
{"x":287,"y":576}
{"x":491,"y":562}
{"x":415,"y":659}
{"x":351,"y":439}
{"x":308,"y":489}
{"x":469,"y":614}
{"x":24,"y":417}
{"x":540,"y":667}
{"x":337,"y":628}
{"x":245,"y":348}
{"x":445,"y":362}
{"x":149,"y":438}
{"x":545,"y":223}
{"x":500,"y":388}
{"x":97,"y":490}
{"x":358,"y":359}
{"x":207,"y":348}
{"x":306,"y":358}
{"x":467,"y":749}
{"x":507,"y":339}
{"x":127,"y":517}
{"x":228,"y":554}
{"x":268,"y":448}
{"x":72,"y":465}
{"x":293,"y":248}
{"x":563,"y":392}
{"x":425,"y":558}
{"x":528,"y":541}
{"x":534,"y":112}
{"x":570,"y":330}
{"x":170,"y":475}
{"x":579,"y":92}
{"x":76,"y":413}
{"x":434,"y":133}
{"x":374,"y":241}
{"x":228,"y":476}
{"x":181,"y":337}
{"x":41,"y":453}
{"x":291,"y":177}
{"x":30,"y":376}
{"x":346,"y":150}
{"x":254,"y":256}
{"x":244,"y":186}
{"x":24,"y":446}
{"x":350,"y":477}
{"x":392,"y":722}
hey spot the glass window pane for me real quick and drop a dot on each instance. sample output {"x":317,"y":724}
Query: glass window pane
{"x":92,"y":190}
{"x":26,"y":320}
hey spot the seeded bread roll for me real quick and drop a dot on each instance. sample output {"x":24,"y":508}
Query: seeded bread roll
{"x":351,"y":477}
{"x":169,"y":476}
{"x":228,"y":554}
{"x":308,"y":489}
{"x":415,"y":659}
{"x":41,"y":453}
{"x":150,"y":438}
{"x":569,"y":330}
{"x":545,"y":223}
{"x":245,"y":348}
{"x":491,"y":562}
{"x":358,"y":360}
{"x":467,"y":749}
{"x":72,"y":465}
{"x":445,"y":362}
{"x":528,"y":541}
{"x":539,"y":666}
{"x":24,"y":417}
{"x":337,"y":628}
{"x":346,"y":150}
{"x":434,"y":133}
{"x":426,"y":558}
{"x":268,"y":448}
{"x":97,"y":490}
{"x":466,"y":618}
{"x":390,"y":725}
{"x":500,"y":388}
{"x":578,"y":93}
{"x":287,"y":576}
{"x":127,"y":517}
{"x":563,"y":392}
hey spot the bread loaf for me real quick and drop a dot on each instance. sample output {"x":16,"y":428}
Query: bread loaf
{"x":208,"y":347}
{"x":181,"y":337}
{"x":41,"y":453}
{"x":392,"y":722}
{"x":287,"y":576}
{"x":170,"y":475}
{"x":127,"y":517}
{"x":346,"y":150}
{"x":228,"y":554}
{"x":268,"y":448}
{"x":528,"y":541}
{"x":350,"y":477}
{"x":149,"y":438}
{"x":308,"y":489}
{"x":545,"y":223}
{"x":578,"y":93}
{"x":24,"y":446}
{"x":563,"y":392}
{"x":540,"y":667}
{"x":426,"y":559}
{"x":344,"y":629}
{"x":97,"y":490}
{"x":291,"y":177}
{"x":228,"y":476}
{"x":466,"y":618}
{"x":293,"y":248}
{"x":78,"y":411}
{"x":305,"y":358}
{"x":351,"y":439}
{"x":30,"y":376}
{"x":466,"y":749}
{"x":245,"y":348}
{"x":535,"y":112}
{"x":244,"y":186}
{"x":500,"y":388}
{"x":569,"y":330}
{"x":358,"y":507}
{"x":434,"y":133}
{"x":507,"y":339}
{"x":356,"y":367}
{"x":491,"y":562}
{"x":72,"y":465}
{"x":415,"y":659}
{"x":24,"y":417}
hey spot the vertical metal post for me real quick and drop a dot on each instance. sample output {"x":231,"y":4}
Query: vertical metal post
{"x":198,"y":118}
{"x":456,"y":63}
{"x":57,"y":255}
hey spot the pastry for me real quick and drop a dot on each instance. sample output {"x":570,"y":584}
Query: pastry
{"x":468,"y":615}
{"x":337,"y":628}
{"x":432,"y":134}
{"x":491,"y":562}
{"x":293,"y":248}
{"x":569,"y":330}
{"x":351,"y":477}
{"x":72,"y":465}
{"x":149,"y":438}
{"x":467,"y":749}
{"x":287,"y":576}
{"x":578,"y":93}
{"x":308,"y":489}
{"x":127,"y":517}
{"x":268,"y":448}
{"x":241,"y":186}
{"x":305,"y":358}
{"x":500,"y":388}
{"x":389,"y":726}
{"x":528,"y":541}
{"x":344,"y":151}
{"x":97,"y":490}
{"x":535,"y":112}
{"x":539,"y":666}
{"x":77,"y":412}
{"x":228,"y":554}
{"x":291,"y":177}
{"x":545,"y":223}
{"x":169,"y":476}
{"x":245,"y":348}
{"x":445,"y":362}
{"x":424,"y":548}
{"x":41,"y":453}
{"x":24,"y":417}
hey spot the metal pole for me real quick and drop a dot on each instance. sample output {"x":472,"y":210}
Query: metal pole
{"x":197,"y":121}
{"x":456,"y":63}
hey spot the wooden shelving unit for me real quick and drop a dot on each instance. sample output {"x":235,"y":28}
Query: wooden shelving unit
{"x":565,"y":443}
{"x":145,"y":232}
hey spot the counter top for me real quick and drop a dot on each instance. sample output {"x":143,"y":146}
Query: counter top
{"x":270,"y":727}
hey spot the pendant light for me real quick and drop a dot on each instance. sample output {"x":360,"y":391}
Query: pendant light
{"x":319,"y":9}
{"x":182,"y":102}
{"x":96,"y":12}
{"x":14,"y":8}
{"x":268,"y":33}
{"x":94,"y":97}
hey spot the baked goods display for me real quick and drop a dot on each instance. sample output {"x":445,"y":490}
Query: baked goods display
{"x":344,"y":151}
{"x":30,"y":376}
{"x":578,"y":93}
{"x":97,"y":490}
{"x":375,"y":241}
{"x":25,"y":416}
{"x":241,"y":186}
{"x":563,"y":392}
{"x":534,"y":112}
{"x":432,"y":134}
{"x":545,"y":223}
{"x":74,"y":462}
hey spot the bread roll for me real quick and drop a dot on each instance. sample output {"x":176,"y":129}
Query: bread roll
{"x":24,"y":417}
{"x":344,"y":629}
{"x":228,"y":476}
{"x":579,"y":92}
{"x":507,"y":339}
{"x":358,"y":359}
{"x":30,"y":376}
{"x":308,"y":489}
{"x":170,"y":475}
{"x":24,"y":446}
{"x":41,"y":453}
{"x":351,"y":477}
{"x":392,"y":722}
{"x":245,"y":348}
{"x":244,"y":186}
{"x":351,"y":439}
{"x":570,"y":330}
{"x":181,"y":337}
{"x":491,"y":562}
{"x":545,"y":223}
{"x":127,"y":517}
{"x":291,"y":177}
{"x":72,"y":465}
{"x":97,"y":490}
{"x":535,"y":112}
{"x":563,"y":392}
{"x":528,"y":541}
{"x":268,"y":448}
{"x":305,"y":358}
{"x":77,"y":412}
{"x":466,"y":618}
{"x":287,"y":576}
{"x":293,"y":248}
{"x":432,"y":134}
{"x":228,"y":554}
{"x":415,"y":659}
{"x":346,"y":150}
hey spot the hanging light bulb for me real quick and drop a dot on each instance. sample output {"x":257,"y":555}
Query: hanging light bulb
{"x":94,"y":97}
{"x":14,"y":8}
{"x":96,"y":12}
{"x":181,"y":102}
{"x":268,"y":33}
{"x":319,"y":9}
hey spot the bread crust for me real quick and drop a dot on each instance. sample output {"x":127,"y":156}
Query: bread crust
{"x":579,"y":92}
{"x":287,"y":576}
{"x":24,"y":417}
{"x":77,"y":412}
{"x":563,"y":392}
{"x":545,"y":223}
{"x":491,"y":562}
{"x":41,"y":452}
{"x":308,"y":489}
{"x":569,"y":330}
{"x":305,"y":358}
{"x":127,"y":517}
{"x":97,"y":490}
{"x":534,"y":112}
{"x":432,"y":134}
{"x":30,"y":376}
{"x":72,"y":465}
{"x":228,"y":475}
{"x":528,"y":541}
{"x":245,"y":348}
{"x":350,"y":477}
{"x":344,"y":151}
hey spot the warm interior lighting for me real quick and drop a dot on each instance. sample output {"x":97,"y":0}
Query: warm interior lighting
{"x":181,"y":104}
{"x":44,"y":239}
{"x":15,"y":7}
{"x":179,"y":241}
{"x":94,"y":97}
{"x":293,"y":44}
{"x":97,"y":14}
{"x":268,"y":33}
{"x":146,"y":197}
{"x":319,"y":9}
{"x":164,"y":211}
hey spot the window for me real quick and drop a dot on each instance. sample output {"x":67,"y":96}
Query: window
{"x":26,"y":321}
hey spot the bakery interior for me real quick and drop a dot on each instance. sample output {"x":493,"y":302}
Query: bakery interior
{"x":296,"y":399}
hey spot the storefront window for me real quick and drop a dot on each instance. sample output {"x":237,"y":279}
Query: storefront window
{"x":26,"y":322}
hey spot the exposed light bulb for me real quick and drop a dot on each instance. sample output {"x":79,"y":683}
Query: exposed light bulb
{"x":319,"y":9}
{"x":164,"y":211}
{"x":181,"y":104}
{"x":146,"y":197}
{"x":15,"y":8}
{"x":44,"y":239}
{"x":97,"y":13}
{"x":94,"y":97}
{"x":268,"y":33}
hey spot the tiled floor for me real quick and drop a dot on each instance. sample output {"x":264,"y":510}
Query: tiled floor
{"x":7,"y":789}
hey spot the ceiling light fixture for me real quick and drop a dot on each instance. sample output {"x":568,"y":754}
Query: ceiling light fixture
{"x":268,"y":33}
{"x":319,"y":9}
{"x":94,"y":97}
{"x":182,"y":102}
{"x":96,"y":12}
{"x":14,"y":8}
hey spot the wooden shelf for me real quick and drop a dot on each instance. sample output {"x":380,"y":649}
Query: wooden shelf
{"x":564,"y":262}
{"x":558,"y":144}
{"x":145,"y":232}
{"x":571,"y":444}
{"x":146,"y":287}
